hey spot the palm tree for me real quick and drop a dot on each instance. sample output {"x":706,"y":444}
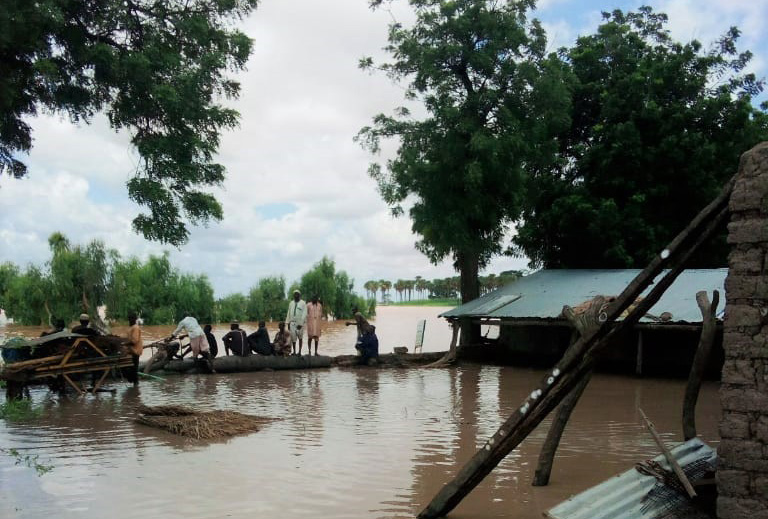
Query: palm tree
{"x":384,"y":286}
{"x":400,"y":287}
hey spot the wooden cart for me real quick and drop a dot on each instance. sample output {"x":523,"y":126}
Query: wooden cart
{"x":82,"y":356}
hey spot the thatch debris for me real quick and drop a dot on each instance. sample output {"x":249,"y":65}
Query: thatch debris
{"x":200,"y":425}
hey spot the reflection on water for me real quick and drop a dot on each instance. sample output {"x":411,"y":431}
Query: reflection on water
{"x":362,"y":443}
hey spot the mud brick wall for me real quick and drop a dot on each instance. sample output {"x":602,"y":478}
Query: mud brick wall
{"x":742,"y":476}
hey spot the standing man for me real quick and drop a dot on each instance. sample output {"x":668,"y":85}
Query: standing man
{"x":135,"y":348}
{"x":296,"y":319}
{"x":314,"y":317}
{"x":197,"y":340}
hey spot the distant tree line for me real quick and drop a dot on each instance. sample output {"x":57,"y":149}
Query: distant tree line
{"x":445,"y":288}
{"x":82,"y":278}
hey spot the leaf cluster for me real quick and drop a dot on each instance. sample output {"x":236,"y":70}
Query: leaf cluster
{"x":657,"y":127}
{"x":156,"y":69}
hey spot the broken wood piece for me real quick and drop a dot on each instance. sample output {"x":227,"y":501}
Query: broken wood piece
{"x":669,"y":457}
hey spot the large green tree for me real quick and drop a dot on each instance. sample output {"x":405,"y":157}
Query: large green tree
{"x":155,"y":67}
{"x":493,"y":99}
{"x":657,"y":129}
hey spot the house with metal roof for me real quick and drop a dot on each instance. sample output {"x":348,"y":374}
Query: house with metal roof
{"x":533,"y":331}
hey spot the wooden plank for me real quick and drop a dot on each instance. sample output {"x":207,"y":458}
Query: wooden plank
{"x":668,"y":455}
{"x":17,"y":366}
{"x":98,"y":383}
{"x":72,"y":383}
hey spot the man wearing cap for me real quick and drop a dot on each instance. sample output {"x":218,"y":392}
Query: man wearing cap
{"x":83,"y":328}
{"x":296,"y":319}
{"x":235,"y":341}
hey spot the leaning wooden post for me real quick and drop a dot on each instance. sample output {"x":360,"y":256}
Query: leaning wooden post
{"x":578,"y":359}
{"x":674,"y":465}
{"x":582,"y":324}
{"x":700,"y":360}
{"x":451,"y":354}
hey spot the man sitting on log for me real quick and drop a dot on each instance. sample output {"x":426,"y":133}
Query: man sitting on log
{"x":259,"y":341}
{"x":282,"y":343}
{"x":235,"y":341}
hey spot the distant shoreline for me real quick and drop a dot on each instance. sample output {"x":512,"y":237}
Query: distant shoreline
{"x":425,"y":302}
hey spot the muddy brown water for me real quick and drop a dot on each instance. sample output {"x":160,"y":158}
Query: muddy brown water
{"x":347,"y":443}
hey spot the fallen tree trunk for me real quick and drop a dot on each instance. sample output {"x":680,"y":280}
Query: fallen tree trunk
{"x":235,"y":363}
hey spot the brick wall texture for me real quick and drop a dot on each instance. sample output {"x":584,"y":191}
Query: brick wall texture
{"x":742,"y":476}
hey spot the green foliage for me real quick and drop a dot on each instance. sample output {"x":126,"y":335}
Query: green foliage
{"x":29,"y":460}
{"x":8,"y":274}
{"x":323,"y":281}
{"x":79,"y":276}
{"x":334,"y":289}
{"x":155,"y":68}
{"x":657,"y":127}
{"x":267,"y":300}
{"x":232,"y":307}
{"x":17,"y":410}
{"x":495,"y":101}
{"x":26,"y":297}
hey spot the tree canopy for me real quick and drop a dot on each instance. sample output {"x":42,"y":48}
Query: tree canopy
{"x":657,"y":127}
{"x":156,"y":69}
{"x":493,"y":100}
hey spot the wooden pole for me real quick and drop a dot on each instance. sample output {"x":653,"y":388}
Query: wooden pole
{"x":582,"y":324}
{"x":668,"y":455}
{"x":639,"y":360}
{"x":549,"y":448}
{"x":450,"y":355}
{"x":700,"y":360}
{"x":578,"y":359}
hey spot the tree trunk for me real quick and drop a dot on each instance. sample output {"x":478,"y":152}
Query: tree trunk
{"x":549,"y":448}
{"x":700,"y":360}
{"x":469,"y":264}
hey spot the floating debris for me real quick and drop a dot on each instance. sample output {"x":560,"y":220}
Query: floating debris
{"x":200,"y":425}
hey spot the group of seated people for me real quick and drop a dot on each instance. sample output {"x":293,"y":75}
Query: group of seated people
{"x":237,"y":342}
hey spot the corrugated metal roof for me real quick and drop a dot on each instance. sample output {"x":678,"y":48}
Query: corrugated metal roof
{"x":631,"y":495}
{"x":543,"y":293}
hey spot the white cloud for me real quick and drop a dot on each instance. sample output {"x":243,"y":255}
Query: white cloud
{"x":303,"y":100}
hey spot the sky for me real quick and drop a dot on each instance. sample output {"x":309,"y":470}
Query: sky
{"x":297,"y":187}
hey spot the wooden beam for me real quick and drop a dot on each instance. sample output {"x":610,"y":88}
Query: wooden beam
{"x":668,"y":455}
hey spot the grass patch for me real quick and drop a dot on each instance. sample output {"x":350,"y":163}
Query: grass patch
{"x":17,"y":410}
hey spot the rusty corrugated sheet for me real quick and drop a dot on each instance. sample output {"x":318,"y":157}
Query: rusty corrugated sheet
{"x":633,"y":495}
{"x":542,"y":294}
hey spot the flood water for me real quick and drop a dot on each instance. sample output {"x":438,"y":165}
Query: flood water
{"x":346,"y":443}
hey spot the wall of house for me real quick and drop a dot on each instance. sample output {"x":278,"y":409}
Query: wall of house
{"x":666,"y":352}
{"x":742,"y":476}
